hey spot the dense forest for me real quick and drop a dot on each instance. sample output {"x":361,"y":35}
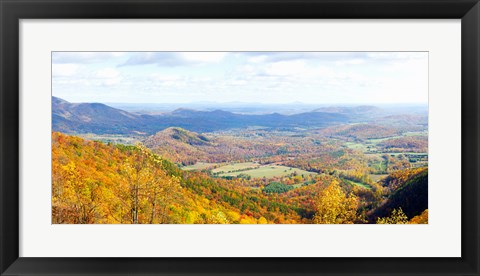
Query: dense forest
{"x":98,"y":182}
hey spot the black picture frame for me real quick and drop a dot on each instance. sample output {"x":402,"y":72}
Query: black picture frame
{"x":11,"y":11}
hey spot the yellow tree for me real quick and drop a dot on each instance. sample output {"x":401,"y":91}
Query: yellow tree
{"x":333,"y":206}
{"x":397,"y":217}
{"x":78,"y":195}
{"x":420,"y":219}
{"x":150,"y":190}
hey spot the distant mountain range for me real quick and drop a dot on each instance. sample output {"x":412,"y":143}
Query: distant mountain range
{"x":351,"y":110}
{"x":102,"y":119}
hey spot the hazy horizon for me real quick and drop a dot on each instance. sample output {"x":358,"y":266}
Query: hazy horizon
{"x":254,"y":103}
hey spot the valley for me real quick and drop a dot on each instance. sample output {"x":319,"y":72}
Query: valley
{"x":244,"y":168}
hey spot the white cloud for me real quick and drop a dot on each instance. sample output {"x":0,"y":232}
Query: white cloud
{"x":166,"y":80}
{"x":286,"y":68}
{"x":261,"y":76}
{"x":355,"y":61}
{"x":84,"y":57}
{"x":107,"y":73}
{"x":257,"y":59}
{"x":108,"y":76}
{"x":391,"y":56}
{"x":171,"y":59}
{"x":162,"y":77}
{"x":203,"y":57}
{"x":111,"y":82}
{"x":64,"y":70}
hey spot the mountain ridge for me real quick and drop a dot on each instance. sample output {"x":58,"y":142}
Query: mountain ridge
{"x":102,"y":119}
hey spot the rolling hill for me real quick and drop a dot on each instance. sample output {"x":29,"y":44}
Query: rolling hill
{"x":186,"y":147}
{"x":411,"y":195}
{"x":91,"y":118}
{"x":102,"y":119}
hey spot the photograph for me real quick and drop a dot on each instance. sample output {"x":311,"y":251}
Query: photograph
{"x":239,"y":137}
{"x":207,"y":132}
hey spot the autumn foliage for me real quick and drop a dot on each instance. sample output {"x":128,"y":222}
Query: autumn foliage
{"x":98,"y":183}
{"x":333,"y":206}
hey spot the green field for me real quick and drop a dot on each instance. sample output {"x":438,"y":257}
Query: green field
{"x":408,"y":153}
{"x":406,"y":134}
{"x":356,"y":146}
{"x":375,"y":141}
{"x":199,"y":166}
{"x":235,"y":167}
{"x":377,"y":177}
{"x":112,"y":138}
{"x":268,"y":171}
{"x":416,"y":133}
{"x":363,"y":185}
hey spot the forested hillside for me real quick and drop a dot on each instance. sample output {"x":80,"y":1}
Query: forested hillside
{"x":94,"y":182}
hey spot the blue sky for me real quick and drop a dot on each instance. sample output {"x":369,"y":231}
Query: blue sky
{"x":259,"y":77}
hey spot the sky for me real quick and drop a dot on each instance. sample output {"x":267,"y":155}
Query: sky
{"x":249,"y":77}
